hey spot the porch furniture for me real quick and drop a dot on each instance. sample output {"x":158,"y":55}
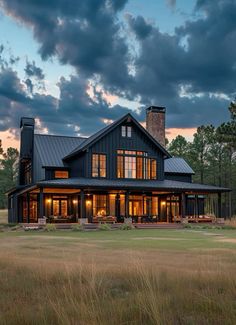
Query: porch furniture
{"x":176,"y":219}
{"x":204,"y":219}
{"x":201,"y":218}
{"x":104,"y":219}
{"x":61,"y":219}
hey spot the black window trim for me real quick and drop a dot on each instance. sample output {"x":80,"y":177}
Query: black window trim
{"x":98,"y":153}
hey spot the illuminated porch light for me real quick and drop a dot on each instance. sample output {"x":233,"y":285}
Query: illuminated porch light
{"x":74,"y":201}
{"x":163,"y":203}
{"x":88,"y":203}
{"x":49,"y":201}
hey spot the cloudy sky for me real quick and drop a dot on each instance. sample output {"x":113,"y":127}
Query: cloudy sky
{"x":77,"y":65}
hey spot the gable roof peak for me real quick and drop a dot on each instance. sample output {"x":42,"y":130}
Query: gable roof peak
{"x":98,"y":135}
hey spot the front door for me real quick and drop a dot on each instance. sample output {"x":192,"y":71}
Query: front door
{"x":135,"y":208}
{"x":60,"y":208}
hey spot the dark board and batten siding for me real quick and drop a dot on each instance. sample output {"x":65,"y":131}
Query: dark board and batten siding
{"x":111,"y":142}
{"x":38,"y":170}
{"x":79,"y":165}
{"x":179,"y":177}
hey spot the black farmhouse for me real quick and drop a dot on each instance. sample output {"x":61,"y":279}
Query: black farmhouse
{"x":121,"y":173}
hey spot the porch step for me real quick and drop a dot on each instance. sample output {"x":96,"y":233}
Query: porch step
{"x":158,"y":226}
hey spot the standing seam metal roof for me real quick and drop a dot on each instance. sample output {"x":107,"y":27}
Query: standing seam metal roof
{"x":177,"y":166}
{"x":53,"y":148}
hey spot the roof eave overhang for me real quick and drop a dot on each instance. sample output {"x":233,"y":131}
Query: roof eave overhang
{"x":141,"y":188}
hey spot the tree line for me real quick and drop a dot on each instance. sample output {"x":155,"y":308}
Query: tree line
{"x":211,"y":154}
{"x":8,"y":172}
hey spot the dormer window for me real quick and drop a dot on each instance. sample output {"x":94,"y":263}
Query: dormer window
{"x":126,"y":131}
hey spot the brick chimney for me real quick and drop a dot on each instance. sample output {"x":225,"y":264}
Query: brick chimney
{"x":155,"y":123}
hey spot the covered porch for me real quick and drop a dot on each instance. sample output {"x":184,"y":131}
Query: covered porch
{"x":92,"y":205}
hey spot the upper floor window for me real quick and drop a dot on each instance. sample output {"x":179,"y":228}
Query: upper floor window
{"x":135,"y":164}
{"x":61,"y":174}
{"x":126,"y":131}
{"x":99,"y":165}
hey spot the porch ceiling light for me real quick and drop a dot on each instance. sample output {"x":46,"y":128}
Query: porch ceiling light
{"x":163,"y":203}
{"x":49,"y":200}
{"x":74,"y":201}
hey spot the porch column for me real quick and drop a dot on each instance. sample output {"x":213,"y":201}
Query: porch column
{"x":230,"y":205}
{"x":117,"y":205}
{"x":219,"y":205}
{"x":196,"y":207}
{"x":82,"y":205}
{"x":41,"y":203}
{"x":77,"y":213}
{"x":17,"y":212}
{"x":127,"y":204}
{"x":183,"y":205}
{"x":28,"y":207}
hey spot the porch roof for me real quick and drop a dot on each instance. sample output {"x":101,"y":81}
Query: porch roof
{"x":166,"y":185}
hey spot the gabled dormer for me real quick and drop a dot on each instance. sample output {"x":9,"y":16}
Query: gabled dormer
{"x":124,"y":149}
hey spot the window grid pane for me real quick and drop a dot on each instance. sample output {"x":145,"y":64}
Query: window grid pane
{"x":98,"y":165}
{"x":129,"y":131}
{"x":135,"y":164}
{"x":153,"y":169}
{"x":123,"y":131}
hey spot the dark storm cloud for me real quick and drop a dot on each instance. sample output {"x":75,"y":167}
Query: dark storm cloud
{"x":85,"y":34}
{"x":140,"y":27}
{"x":200,"y":58}
{"x":77,"y":108}
{"x":191,"y":72}
{"x":31,"y":70}
{"x":15,"y":102}
{"x":74,"y":112}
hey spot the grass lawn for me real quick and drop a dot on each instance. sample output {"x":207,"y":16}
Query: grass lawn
{"x":119,"y":277}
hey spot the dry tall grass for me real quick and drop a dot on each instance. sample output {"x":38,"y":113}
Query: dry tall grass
{"x":122,"y":292}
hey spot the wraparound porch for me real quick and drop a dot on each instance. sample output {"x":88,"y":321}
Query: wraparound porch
{"x":68,"y":205}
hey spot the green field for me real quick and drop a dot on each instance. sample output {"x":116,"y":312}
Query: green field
{"x":119,"y":277}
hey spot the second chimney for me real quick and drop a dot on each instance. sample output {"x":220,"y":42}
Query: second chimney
{"x":155,"y":123}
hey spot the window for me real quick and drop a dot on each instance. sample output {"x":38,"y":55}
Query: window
{"x":99,"y":205}
{"x":136,"y":165}
{"x":98,"y":165}
{"x":123,"y":131}
{"x":153,"y":169}
{"x":126,"y":131}
{"x":60,"y":207}
{"x":61,"y":174}
{"x":129,"y":131}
